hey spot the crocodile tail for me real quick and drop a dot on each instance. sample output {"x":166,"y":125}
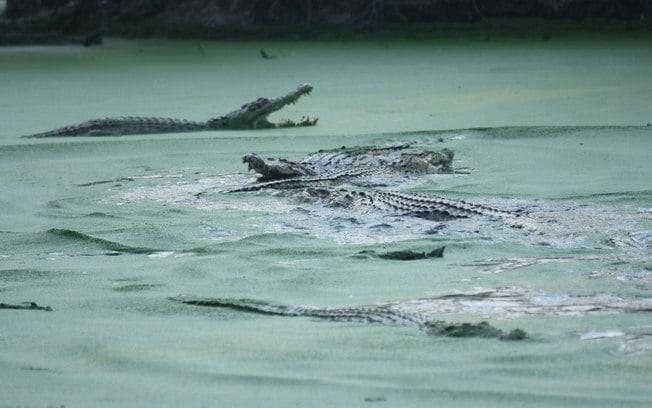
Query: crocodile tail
{"x":441,"y":209}
{"x":374,"y":315}
{"x":378,"y":314}
{"x":74,"y":130}
{"x":245,"y":305}
{"x":300,"y":182}
{"x":123,"y":126}
{"x":279,"y":184}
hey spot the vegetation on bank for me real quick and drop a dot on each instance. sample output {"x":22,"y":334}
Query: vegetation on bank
{"x":53,"y":20}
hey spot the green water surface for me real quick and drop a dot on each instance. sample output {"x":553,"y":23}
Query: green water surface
{"x":563,"y":123}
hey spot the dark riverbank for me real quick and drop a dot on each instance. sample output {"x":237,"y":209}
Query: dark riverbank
{"x":56,"y":21}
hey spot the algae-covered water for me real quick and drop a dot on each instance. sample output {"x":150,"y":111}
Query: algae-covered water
{"x":106,"y":230}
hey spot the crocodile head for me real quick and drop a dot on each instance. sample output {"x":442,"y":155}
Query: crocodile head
{"x":255,"y":163}
{"x":253,"y":115}
{"x":272,"y":169}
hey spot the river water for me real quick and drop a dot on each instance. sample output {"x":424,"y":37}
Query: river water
{"x":105,"y":230}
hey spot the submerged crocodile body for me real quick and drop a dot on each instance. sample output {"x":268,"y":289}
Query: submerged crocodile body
{"x":329,"y":174}
{"x":422,"y":313}
{"x":252,"y":115}
{"x":371,"y":314}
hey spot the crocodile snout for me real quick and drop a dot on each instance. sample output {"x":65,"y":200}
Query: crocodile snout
{"x":253,"y":161}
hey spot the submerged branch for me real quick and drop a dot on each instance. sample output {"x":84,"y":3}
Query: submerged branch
{"x":25,"y":306}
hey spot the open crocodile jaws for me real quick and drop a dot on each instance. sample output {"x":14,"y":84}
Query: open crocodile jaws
{"x":252,"y":115}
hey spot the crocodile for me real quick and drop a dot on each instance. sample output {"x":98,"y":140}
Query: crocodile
{"x":355,"y":165}
{"x":328,"y":162}
{"x":327,"y":174}
{"x":362,"y":314}
{"x":423,"y":313}
{"x":252,"y":115}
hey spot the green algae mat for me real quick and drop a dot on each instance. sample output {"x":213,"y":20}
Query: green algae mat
{"x":104,"y":231}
